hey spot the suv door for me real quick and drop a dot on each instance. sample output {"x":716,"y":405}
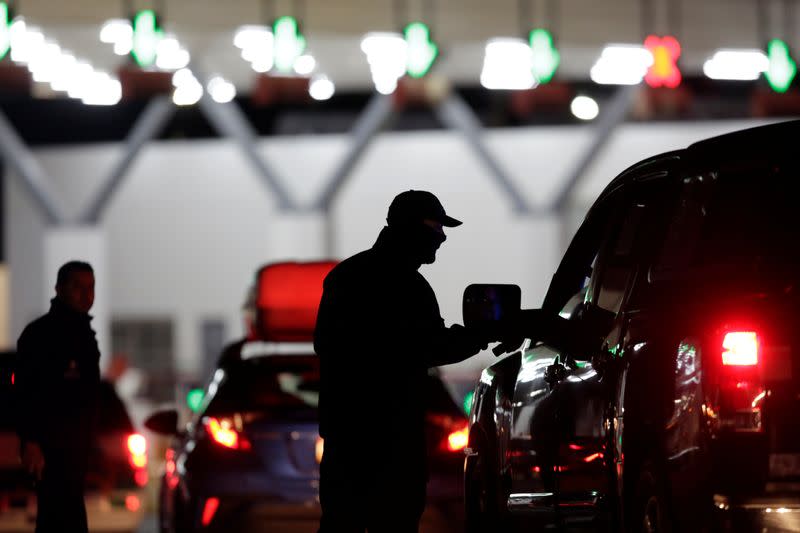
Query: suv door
{"x":593,"y":376}
{"x":534,"y":429}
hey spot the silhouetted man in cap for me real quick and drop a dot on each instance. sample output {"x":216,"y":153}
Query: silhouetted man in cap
{"x":378,"y":331}
{"x":56,"y":384}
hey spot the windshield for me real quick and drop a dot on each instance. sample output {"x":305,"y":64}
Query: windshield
{"x":735,"y":226}
{"x":276,"y":385}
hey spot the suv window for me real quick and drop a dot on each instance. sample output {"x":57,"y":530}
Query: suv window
{"x":733,"y":226}
{"x":619,"y":264}
{"x":630,"y":244}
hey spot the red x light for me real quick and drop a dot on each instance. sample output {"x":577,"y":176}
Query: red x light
{"x":664,"y":71}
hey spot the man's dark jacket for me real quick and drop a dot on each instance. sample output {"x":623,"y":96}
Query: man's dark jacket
{"x":56,"y":381}
{"x":378,"y":331}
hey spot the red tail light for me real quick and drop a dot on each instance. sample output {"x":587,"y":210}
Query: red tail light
{"x":457,"y":440}
{"x":137,"y":448}
{"x":223,"y":431}
{"x":209,"y":510}
{"x":740,"y":348}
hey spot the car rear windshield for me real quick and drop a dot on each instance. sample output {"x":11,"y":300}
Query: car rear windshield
{"x":277,"y":385}
{"x":734,"y":226}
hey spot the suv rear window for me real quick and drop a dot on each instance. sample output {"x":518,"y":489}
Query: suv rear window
{"x":273,"y":384}
{"x":733,"y":226}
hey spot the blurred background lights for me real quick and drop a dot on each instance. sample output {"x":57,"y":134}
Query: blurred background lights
{"x":257,"y":46}
{"x":584,"y":108}
{"x":545,"y":57}
{"x":321,"y":88}
{"x":5,"y":26}
{"x":118,"y":32}
{"x":102,"y":89}
{"x":146,"y":36}
{"x":736,"y":65}
{"x":421,"y":51}
{"x":49,"y":63}
{"x":170,"y":55}
{"x":507,"y":64}
{"x":782,"y":68}
{"x":188,"y":91}
{"x":621,"y":64}
{"x":664,"y":71}
{"x":305,"y":65}
{"x":289,"y":43}
{"x":221,"y":90}
{"x":386,"y":55}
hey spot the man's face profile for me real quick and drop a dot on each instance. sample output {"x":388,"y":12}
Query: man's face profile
{"x":434,"y":237}
{"x":78,"y":291}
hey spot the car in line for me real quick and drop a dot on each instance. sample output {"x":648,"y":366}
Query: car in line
{"x":249,"y":458}
{"x":117,"y":470}
{"x":658,"y":388}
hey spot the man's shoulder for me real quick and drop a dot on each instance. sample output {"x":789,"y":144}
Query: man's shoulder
{"x":355,"y":265}
{"x":43,"y":322}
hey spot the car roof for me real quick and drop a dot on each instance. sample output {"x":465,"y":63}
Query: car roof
{"x":770,"y":141}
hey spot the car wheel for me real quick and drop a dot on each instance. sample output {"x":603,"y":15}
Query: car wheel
{"x":651,"y":507}
{"x":483,"y":510}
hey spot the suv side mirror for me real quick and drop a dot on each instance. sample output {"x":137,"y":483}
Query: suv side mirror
{"x":485,"y":306}
{"x":163,"y":422}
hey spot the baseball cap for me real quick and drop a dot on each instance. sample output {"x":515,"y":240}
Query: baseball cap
{"x":416,"y":206}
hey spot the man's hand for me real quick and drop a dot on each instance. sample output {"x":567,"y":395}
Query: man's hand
{"x":33,"y":459}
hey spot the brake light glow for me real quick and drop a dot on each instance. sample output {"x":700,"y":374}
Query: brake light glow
{"x":740,"y":348}
{"x":132,"y":503}
{"x":209,"y":510}
{"x":223,"y":432}
{"x":319,"y":449}
{"x":137,"y":448}
{"x":458,"y":439}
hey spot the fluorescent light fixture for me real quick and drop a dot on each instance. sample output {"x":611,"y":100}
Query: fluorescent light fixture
{"x":103,"y":90}
{"x":386,"y":54}
{"x":44,"y":62}
{"x":257,"y":44}
{"x":507,"y":64}
{"x":48,"y":63}
{"x":25,"y":42}
{"x":321,"y":88}
{"x":584,"y":108}
{"x":188,"y":91}
{"x":221,"y":90}
{"x":170,"y":55}
{"x":305,"y":65}
{"x":621,"y":64}
{"x":114,"y":30}
{"x":731,"y":64}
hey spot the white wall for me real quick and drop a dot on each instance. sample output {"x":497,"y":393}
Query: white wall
{"x":190,"y":224}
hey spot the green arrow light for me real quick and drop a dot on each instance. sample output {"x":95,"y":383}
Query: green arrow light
{"x":421,"y":51}
{"x":545,"y":55}
{"x":289,"y":43}
{"x":5,"y":34}
{"x":782,"y":68}
{"x":146,"y":36}
{"x":194,"y":399}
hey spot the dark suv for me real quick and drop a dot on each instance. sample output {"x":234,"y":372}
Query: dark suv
{"x":659,"y":385}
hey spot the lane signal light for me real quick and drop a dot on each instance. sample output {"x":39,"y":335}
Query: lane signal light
{"x":545,"y":55}
{"x":664,"y":71}
{"x":5,"y":29}
{"x":421,"y":51}
{"x":289,"y":43}
{"x":782,"y":68}
{"x":146,"y":35}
